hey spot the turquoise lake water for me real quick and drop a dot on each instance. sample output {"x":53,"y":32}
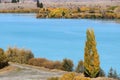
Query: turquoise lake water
{"x":56,"y":39}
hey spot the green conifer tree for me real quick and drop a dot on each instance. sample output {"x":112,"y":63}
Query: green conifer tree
{"x":91,"y":57}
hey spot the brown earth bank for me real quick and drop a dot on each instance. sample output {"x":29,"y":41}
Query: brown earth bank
{"x":17,"y":71}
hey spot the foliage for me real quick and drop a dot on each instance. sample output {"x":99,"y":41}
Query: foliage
{"x":18,"y":55}
{"x":3,"y":59}
{"x":112,"y":7}
{"x":73,"y":76}
{"x":68,"y":76}
{"x":95,"y":12}
{"x":84,"y":9}
{"x":112,"y":73}
{"x":14,"y":1}
{"x":58,"y":13}
{"x":40,"y":5}
{"x":101,"y":73}
{"x":91,"y":57}
{"x":67,"y":65}
{"x":53,"y":78}
{"x":80,"y":67}
{"x":42,"y":62}
{"x":78,"y":9}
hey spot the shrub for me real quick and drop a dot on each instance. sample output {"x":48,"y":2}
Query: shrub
{"x":3,"y":59}
{"x":18,"y":55}
{"x":40,"y":5}
{"x":53,"y":78}
{"x":78,"y":9}
{"x":37,"y":61}
{"x":113,"y":74}
{"x":112,"y":7}
{"x":84,"y":9}
{"x":73,"y":76}
{"x":117,"y":10}
{"x":49,"y":64}
{"x":57,"y":65}
{"x":110,"y":15}
{"x":58,"y":13}
{"x":14,"y":1}
{"x":101,"y":73}
{"x":42,"y":62}
{"x":67,"y":65}
{"x":91,"y":57}
{"x":80,"y":67}
{"x":81,"y":78}
{"x":68,"y":76}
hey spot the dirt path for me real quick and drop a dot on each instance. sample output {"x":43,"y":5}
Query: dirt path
{"x":26,"y":72}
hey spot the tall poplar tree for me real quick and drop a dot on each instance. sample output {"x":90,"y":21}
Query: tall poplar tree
{"x":91,"y":57}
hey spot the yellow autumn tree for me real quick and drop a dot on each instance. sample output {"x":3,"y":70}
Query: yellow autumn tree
{"x":91,"y":57}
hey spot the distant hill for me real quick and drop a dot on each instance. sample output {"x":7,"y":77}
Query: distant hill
{"x":60,"y":0}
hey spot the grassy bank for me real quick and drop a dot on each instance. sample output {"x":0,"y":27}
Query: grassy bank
{"x":88,"y":12}
{"x":110,"y":12}
{"x":20,"y":11}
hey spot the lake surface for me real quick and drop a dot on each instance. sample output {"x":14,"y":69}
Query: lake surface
{"x":56,"y":39}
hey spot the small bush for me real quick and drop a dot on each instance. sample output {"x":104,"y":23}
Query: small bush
{"x":68,"y":76}
{"x":81,"y":78}
{"x":84,"y":9}
{"x":101,"y":73}
{"x":53,"y":78}
{"x":113,"y":74}
{"x":110,"y":15}
{"x":18,"y":55}
{"x":3,"y":59}
{"x":42,"y":62}
{"x":80,"y":67}
{"x":67,"y":65}
{"x":73,"y":76}
{"x":37,"y":61}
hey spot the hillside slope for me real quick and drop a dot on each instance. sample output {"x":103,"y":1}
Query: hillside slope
{"x":26,"y":72}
